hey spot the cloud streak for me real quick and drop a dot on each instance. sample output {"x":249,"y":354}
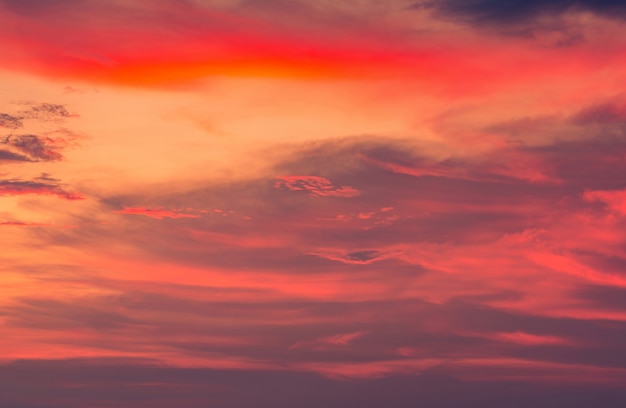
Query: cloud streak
{"x":157,"y":213}
{"x":42,"y":185}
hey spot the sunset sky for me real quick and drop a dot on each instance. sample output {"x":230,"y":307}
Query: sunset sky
{"x":312,"y":203}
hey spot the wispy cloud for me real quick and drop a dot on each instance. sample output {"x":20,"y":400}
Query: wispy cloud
{"x":21,"y":224}
{"x":10,"y":121}
{"x":157,"y":213}
{"x":43,"y":185}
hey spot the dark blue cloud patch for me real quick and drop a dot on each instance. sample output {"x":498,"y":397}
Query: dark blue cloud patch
{"x":503,"y":12}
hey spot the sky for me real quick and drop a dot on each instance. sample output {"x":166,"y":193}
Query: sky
{"x":276,"y":203}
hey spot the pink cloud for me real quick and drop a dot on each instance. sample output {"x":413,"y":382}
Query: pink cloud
{"x":323,"y":343}
{"x":615,"y":200}
{"x":528,"y":339}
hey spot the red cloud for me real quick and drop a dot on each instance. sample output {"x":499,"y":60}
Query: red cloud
{"x":615,"y":200}
{"x":317,"y":186}
{"x":155,"y":213}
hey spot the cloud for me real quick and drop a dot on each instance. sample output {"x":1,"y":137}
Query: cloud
{"x":363,"y":256}
{"x":615,"y":200}
{"x":316,"y":186}
{"x":32,"y":148}
{"x":606,"y":113}
{"x":360,"y":257}
{"x":10,"y":121}
{"x":475,"y":259}
{"x":530,"y":339}
{"x":21,"y":224}
{"x":430,"y":266}
{"x":46,"y":112}
{"x":11,"y":156}
{"x":43,"y":185}
{"x":547,"y":24}
{"x":337,"y":340}
{"x":157,"y":213}
{"x":137,"y":383}
{"x":45,"y":146}
{"x":516,"y":11}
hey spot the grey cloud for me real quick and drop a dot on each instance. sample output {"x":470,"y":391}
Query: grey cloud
{"x":127,"y":383}
{"x":363,"y":256}
{"x":43,"y":185}
{"x":11,"y":156}
{"x":30,"y":148}
{"x":10,"y":121}
{"x":605,"y":297}
{"x":606,"y":113}
{"x":516,"y":11}
{"x":48,"y":112}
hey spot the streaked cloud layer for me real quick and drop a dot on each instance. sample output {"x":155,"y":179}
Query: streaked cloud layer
{"x":230,"y":203}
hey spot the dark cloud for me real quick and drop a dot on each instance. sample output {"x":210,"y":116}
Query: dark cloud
{"x":48,"y":112}
{"x":363,"y":256}
{"x":408,"y":201}
{"x":127,"y":383}
{"x":11,"y":156}
{"x":31,"y":148}
{"x":317,"y":186}
{"x":38,"y":7}
{"x":607,"y":113}
{"x":521,"y":11}
{"x":279,"y":330}
{"x":586,"y":164}
{"x":43,"y":185}
{"x":606,"y":297}
{"x":10,"y":121}
{"x":36,"y":147}
{"x":586,"y":148}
